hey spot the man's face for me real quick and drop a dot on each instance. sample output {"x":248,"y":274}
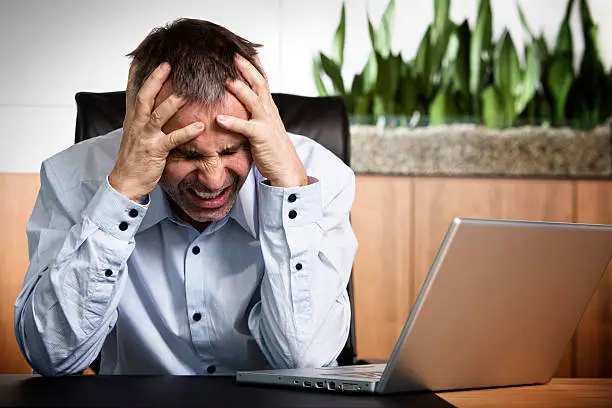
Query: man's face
{"x":203,"y":177}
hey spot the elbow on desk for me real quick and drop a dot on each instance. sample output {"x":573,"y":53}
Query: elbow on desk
{"x":41,"y":362}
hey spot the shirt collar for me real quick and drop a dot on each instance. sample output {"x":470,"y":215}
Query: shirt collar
{"x":244,"y":210}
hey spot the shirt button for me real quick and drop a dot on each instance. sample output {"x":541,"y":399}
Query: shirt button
{"x":197,"y":317}
{"x":123,"y":226}
{"x":211,"y":369}
{"x":292,"y":214}
{"x":195,"y":250}
{"x":133,"y":213}
{"x":108,"y":273}
{"x":298,"y":267}
{"x":292,"y":198}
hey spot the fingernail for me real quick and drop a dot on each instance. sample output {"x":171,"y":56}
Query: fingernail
{"x":164,"y":66}
{"x":198,"y":126}
{"x":222,"y":118}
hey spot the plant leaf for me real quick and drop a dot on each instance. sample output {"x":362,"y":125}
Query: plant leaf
{"x":560,"y":79}
{"x":443,"y":108}
{"x":564,"y":45}
{"x":388,"y":78}
{"x":378,"y":106}
{"x":362,"y":104}
{"x":339,"y":38}
{"x":439,"y":49}
{"x":370,"y":73}
{"x":524,"y":23}
{"x":408,"y":91}
{"x":481,"y":43}
{"x":422,"y":67}
{"x":332,"y":70}
{"x":357,"y":85}
{"x":493,"y":108}
{"x":507,"y":72}
{"x":530,"y":78}
{"x":385,"y":31}
{"x":442,"y":20}
{"x":316,"y":71}
{"x":373,"y":36}
{"x":463,"y":58}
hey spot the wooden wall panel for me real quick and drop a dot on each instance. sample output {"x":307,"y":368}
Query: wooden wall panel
{"x":381,"y":219}
{"x":399,"y":222}
{"x":18,"y":192}
{"x":439,"y":200}
{"x":594,"y":335}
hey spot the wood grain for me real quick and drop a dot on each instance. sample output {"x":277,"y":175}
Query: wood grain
{"x":438,"y":200}
{"x":560,"y":392}
{"x":19,"y":194}
{"x":594,"y":335}
{"x":381,"y":219}
{"x":399,"y":223}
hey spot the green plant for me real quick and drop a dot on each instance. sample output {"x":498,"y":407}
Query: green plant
{"x":461,"y":72}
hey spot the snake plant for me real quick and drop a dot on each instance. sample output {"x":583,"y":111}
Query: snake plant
{"x":462,"y":72}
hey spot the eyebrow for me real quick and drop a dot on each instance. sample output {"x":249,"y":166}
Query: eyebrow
{"x":193,"y":151}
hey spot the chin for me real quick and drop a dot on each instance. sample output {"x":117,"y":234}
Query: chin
{"x":203,"y":216}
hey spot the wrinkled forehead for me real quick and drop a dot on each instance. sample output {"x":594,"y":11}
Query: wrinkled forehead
{"x":193,"y":111}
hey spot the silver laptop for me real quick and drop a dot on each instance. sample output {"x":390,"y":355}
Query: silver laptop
{"x":498,"y":308}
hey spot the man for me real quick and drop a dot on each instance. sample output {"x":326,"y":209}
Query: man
{"x":200,"y":238}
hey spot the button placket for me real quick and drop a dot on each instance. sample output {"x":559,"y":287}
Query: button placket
{"x":292,"y":198}
{"x":196,"y":296}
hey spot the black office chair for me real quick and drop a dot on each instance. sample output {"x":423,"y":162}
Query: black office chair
{"x":323,"y":119}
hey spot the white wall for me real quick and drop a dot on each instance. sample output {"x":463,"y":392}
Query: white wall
{"x":49,"y":50}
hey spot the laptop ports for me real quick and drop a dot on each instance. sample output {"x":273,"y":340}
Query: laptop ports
{"x":319,"y":384}
{"x":307,"y":384}
{"x":350,"y":387}
{"x":331,"y":386}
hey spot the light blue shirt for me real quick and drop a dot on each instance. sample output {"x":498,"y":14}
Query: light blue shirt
{"x":256,"y":289}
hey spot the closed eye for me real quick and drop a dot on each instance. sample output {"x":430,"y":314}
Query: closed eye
{"x":188,"y":155}
{"x":234,"y":150}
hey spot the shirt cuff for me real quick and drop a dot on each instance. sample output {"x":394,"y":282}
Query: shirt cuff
{"x":286,"y":207}
{"x":114,"y":213}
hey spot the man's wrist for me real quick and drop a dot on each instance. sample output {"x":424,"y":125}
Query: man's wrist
{"x":300,"y":179}
{"x":122,"y":188}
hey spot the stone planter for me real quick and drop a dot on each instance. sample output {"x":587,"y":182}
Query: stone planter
{"x":474,"y":150}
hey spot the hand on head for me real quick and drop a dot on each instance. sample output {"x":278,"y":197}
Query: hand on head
{"x":144,"y":146}
{"x":272,"y":151}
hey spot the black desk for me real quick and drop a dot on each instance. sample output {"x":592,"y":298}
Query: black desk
{"x":218,"y":392}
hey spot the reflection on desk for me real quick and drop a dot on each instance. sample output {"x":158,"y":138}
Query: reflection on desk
{"x":186,"y":391}
{"x":560,"y":392}
{"x":155,"y":391}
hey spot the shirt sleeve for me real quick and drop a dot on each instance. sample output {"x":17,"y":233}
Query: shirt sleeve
{"x":308,"y":246}
{"x":77,"y":270}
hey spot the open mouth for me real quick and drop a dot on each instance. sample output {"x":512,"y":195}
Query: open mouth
{"x":209,"y":200}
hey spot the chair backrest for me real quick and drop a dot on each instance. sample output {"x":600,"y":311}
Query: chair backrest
{"x":323,"y":119}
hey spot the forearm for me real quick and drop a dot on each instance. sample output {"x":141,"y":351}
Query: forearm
{"x":68,"y":303}
{"x":303,"y":318}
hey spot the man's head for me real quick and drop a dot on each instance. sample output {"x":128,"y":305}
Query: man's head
{"x":203,"y":177}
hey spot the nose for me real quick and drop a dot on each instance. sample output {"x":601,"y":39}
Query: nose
{"x":211,"y":174}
